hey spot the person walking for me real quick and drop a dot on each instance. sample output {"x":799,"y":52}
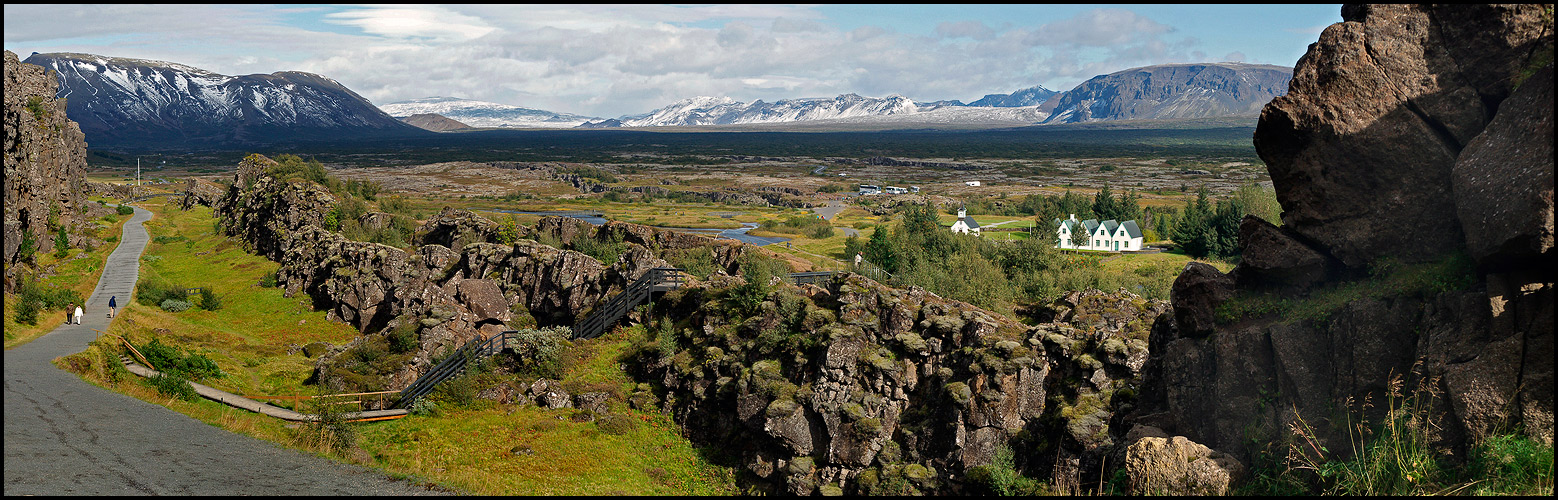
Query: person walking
{"x":111,"y":306}
{"x":68,"y":308}
{"x":78,"y":315}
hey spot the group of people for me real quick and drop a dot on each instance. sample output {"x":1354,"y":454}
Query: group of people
{"x":73,"y":312}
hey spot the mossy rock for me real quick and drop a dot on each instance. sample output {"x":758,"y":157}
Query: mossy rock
{"x":782,"y":407}
{"x":313,"y":350}
{"x":959,"y":392}
{"x":801,"y":466}
{"x":829,"y":490}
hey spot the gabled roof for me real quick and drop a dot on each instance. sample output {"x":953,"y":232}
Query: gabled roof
{"x":1109,"y":226}
{"x":1130,"y":229}
{"x":1092,"y":224}
{"x":969,"y":221}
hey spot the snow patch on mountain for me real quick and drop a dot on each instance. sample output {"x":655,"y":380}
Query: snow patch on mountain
{"x":706,"y":110}
{"x":484,"y":114}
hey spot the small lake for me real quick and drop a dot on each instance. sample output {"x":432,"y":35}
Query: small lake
{"x":738,"y":234}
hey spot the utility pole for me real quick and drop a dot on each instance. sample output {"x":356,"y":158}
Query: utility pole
{"x":137,"y":177}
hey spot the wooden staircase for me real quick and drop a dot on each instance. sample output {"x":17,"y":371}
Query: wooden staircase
{"x":659,"y":279}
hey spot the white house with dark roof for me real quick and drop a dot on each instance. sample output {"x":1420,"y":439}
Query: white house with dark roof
{"x":1107,"y":235}
{"x":965,"y":224}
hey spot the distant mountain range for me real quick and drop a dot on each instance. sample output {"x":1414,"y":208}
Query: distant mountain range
{"x":1032,"y":96}
{"x":1173,"y":91}
{"x":137,"y":102}
{"x":484,"y":114}
{"x":434,"y":122}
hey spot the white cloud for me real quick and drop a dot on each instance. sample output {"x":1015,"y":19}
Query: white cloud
{"x":612,"y":60}
{"x":432,"y":22}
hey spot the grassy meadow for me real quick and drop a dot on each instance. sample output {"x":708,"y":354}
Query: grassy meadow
{"x":467,"y":445}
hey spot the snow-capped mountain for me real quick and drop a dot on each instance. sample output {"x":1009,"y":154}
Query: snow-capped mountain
{"x":1173,"y":91}
{"x":484,"y":114}
{"x":1032,"y":96}
{"x":724,"y":110}
{"x":138,"y":102}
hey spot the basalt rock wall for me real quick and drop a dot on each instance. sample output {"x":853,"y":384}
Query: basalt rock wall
{"x":854,"y":387}
{"x":1412,"y":156}
{"x":45,"y":161}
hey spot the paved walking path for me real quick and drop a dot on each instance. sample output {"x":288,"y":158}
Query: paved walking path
{"x":64,"y":436}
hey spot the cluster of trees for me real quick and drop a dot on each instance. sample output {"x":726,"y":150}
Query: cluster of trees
{"x":1204,"y":230}
{"x":992,"y":275}
{"x":997,"y":275}
{"x":1201,"y":228}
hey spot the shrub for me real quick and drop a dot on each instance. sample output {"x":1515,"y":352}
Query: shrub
{"x":269,"y":280}
{"x":153,"y":290}
{"x":125,"y":210}
{"x":35,"y":297}
{"x":403,"y":337}
{"x":170,"y":360}
{"x":539,"y":352}
{"x":209,"y":300}
{"x":173,"y":385}
{"x":174,"y":305}
{"x":616,"y":424}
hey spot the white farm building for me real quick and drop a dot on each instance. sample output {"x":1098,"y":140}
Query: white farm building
{"x":965,"y":224}
{"x":1107,"y":235}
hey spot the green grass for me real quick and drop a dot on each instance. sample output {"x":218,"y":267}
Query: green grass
{"x":472,"y":449}
{"x":466,"y":448}
{"x":248,"y":337}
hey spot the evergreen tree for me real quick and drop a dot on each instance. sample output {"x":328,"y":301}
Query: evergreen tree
{"x":61,"y":243}
{"x":1225,"y":228}
{"x":1104,"y":205}
{"x":1193,"y":230}
{"x":1130,"y":207}
{"x":1072,"y":203}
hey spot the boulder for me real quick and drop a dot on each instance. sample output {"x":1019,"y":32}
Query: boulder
{"x":1504,"y":180}
{"x":455,"y":228}
{"x":1274,"y":258}
{"x":1196,"y":293}
{"x":550,"y":394}
{"x":1361,"y":148}
{"x":1178,"y":466}
{"x":563,"y":229}
{"x":484,"y":299}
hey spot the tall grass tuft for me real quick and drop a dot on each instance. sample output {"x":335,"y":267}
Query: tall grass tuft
{"x":1394,"y":456}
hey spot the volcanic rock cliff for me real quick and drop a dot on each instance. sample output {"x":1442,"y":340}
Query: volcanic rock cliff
{"x":855,"y":387}
{"x":45,"y":161}
{"x":457,"y":284}
{"x":1412,"y":156}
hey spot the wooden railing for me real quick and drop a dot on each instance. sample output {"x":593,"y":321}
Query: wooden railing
{"x":656,"y":280}
{"x":452,"y":366}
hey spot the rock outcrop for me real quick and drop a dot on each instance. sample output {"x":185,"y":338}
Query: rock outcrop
{"x":1412,"y":156}
{"x":45,"y":162}
{"x":874,"y":390}
{"x":458,"y":284}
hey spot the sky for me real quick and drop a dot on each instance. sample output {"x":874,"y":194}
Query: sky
{"x":615,"y":60}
